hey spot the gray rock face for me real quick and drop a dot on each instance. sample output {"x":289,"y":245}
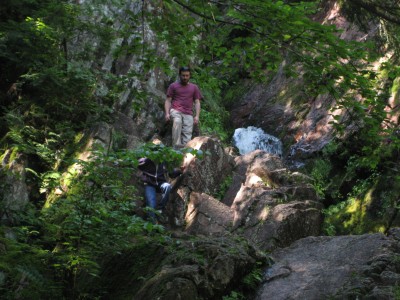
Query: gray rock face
{"x":266,"y":204}
{"x":126,"y":125}
{"x":343,"y":267}
{"x":207,"y":174}
{"x":273,"y":107}
{"x":208,"y":216}
{"x":252,"y":170}
{"x":210,"y":266}
{"x":272,"y":206}
{"x":260,"y":105}
{"x":259,"y":169}
{"x":270,"y":225}
{"x":202,"y":175}
{"x":138,"y":111}
{"x":282,"y":108}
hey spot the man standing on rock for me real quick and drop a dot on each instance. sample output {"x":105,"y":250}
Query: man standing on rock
{"x":179,"y":107}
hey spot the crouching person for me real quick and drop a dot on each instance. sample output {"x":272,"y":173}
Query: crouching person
{"x":154,"y":177}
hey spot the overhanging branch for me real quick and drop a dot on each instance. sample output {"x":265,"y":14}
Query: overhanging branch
{"x":215,"y":19}
{"x":383,"y":11}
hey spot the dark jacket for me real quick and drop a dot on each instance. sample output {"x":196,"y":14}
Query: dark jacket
{"x":155,"y":174}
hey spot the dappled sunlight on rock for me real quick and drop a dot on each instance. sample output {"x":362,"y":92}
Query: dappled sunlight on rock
{"x":188,"y":159}
{"x":264,"y":213}
{"x":254,"y":180}
{"x":206,"y":215}
{"x":194,"y":144}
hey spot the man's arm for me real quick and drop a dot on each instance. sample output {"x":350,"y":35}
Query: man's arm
{"x":197,"y":108}
{"x":167,"y":107}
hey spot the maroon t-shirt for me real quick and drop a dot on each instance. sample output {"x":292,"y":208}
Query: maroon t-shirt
{"x":183,"y":96}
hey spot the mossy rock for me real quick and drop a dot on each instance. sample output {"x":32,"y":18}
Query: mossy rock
{"x":186,"y":267}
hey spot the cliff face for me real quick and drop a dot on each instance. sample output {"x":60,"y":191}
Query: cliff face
{"x":281,"y":107}
{"x":137,"y":112}
{"x":305,"y":124}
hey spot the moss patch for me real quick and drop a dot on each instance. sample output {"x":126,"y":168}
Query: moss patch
{"x":353,"y":217}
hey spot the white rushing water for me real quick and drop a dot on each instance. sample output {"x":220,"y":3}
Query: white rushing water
{"x":253,"y":138}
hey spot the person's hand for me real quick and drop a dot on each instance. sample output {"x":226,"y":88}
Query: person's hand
{"x":167,"y":118}
{"x":196,"y":120}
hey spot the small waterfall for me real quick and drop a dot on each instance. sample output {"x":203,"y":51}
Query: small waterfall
{"x":253,"y":138}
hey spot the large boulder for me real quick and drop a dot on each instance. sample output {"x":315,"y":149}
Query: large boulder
{"x":207,"y":174}
{"x":266,"y":204}
{"x":206,"y":215}
{"x":263,"y":217}
{"x":272,"y":206}
{"x":264,"y":170}
{"x":342,"y":267}
{"x":213,"y":266}
{"x":181,"y":267}
{"x":204,"y":175}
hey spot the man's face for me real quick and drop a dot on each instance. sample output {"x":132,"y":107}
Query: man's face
{"x":184,"y":77}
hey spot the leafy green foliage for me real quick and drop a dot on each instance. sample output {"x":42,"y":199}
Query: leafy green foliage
{"x":371,"y":150}
{"x":320,"y":174}
{"x":51,"y":90}
{"x":213,"y":124}
{"x":252,"y":38}
{"x":164,"y":154}
{"x":226,"y":183}
{"x":250,"y":282}
{"x":370,"y":206}
{"x":25,"y":265}
{"x":214,"y":117}
{"x":95,"y":217}
{"x":254,"y":278}
{"x":234,"y":296}
{"x":49,"y":96}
